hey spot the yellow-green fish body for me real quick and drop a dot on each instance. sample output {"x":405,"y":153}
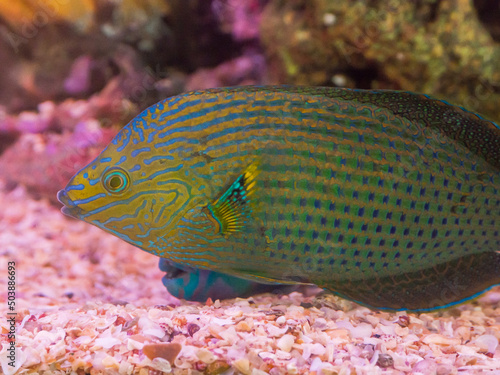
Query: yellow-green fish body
{"x":387,"y":198}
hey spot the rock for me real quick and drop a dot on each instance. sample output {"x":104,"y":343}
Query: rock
{"x":435,"y":47}
{"x":165,"y":350}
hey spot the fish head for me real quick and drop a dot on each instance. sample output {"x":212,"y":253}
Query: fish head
{"x":132,"y":190}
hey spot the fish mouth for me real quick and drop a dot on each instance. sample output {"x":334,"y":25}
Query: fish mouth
{"x":70,"y":208}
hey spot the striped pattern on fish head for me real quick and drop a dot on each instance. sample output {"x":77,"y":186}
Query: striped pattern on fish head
{"x":133,"y":191}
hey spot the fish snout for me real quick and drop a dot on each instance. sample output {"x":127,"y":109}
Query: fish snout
{"x":70,"y":208}
{"x":62,"y":196}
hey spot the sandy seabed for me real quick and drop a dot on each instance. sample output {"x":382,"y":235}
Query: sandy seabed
{"x":88,"y":303}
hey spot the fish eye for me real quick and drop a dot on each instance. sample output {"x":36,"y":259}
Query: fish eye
{"x":115,"y":180}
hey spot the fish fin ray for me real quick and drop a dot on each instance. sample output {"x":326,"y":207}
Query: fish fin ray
{"x":442,"y":286}
{"x":232,"y":210}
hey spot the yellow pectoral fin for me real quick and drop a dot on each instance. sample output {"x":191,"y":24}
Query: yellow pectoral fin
{"x":232,"y":211}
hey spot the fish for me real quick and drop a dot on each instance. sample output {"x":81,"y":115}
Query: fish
{"x":387,"y":198}
{"x":194,"y":284}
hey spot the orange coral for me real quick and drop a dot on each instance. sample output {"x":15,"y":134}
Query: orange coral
{"x":24,"y":15}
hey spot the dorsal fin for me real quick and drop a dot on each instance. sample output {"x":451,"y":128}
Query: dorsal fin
{"x":232,"y":210}
{"x":468,"y":128}
{"x":478,"y":134}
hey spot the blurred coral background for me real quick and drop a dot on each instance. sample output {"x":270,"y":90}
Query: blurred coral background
{"x":76,"y":71}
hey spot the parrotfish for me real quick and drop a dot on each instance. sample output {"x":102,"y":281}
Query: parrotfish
{"x":387,"y":198}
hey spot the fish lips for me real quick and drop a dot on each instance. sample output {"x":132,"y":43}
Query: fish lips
{"x":70,"y":208}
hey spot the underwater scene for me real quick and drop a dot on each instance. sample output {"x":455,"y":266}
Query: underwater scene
{"x":250,"y":187}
